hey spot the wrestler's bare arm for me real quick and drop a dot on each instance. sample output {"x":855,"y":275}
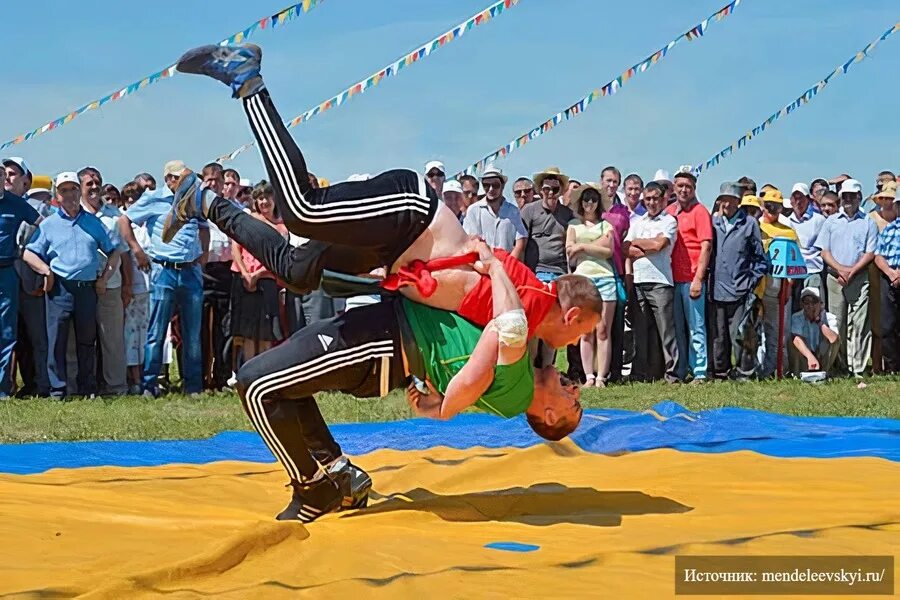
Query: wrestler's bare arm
{"x":468,"y":385}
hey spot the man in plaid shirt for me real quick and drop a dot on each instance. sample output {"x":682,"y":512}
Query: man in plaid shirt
{"x":887,"y":259}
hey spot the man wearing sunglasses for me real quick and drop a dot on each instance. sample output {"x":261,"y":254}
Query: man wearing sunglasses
{"x":546,"y":222}
{"x":523,"y":190}
{"x":469,"y":190}
{"x":435,"y":175}
{"x":495,"y":219}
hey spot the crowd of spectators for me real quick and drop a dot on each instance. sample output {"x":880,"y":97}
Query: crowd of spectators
{"x":93,"y":302}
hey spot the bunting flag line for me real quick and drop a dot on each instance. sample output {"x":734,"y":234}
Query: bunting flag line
{"x":801,"y":100}
{"x":270,"y":22}
{"x":393,"y":69}
{"x":609,"y":89}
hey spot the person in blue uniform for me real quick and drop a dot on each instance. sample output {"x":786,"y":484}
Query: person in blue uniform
{"x":64,"y":250}
{"x":14,"y":211}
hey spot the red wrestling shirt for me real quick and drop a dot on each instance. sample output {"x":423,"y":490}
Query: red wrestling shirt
{"x":536,"y":297}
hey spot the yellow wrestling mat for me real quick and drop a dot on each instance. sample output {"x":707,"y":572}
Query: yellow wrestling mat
{"x":606,"y":526}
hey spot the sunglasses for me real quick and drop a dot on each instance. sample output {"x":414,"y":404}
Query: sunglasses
{"x":589,"y":200}
{"x":772,"y":207}
{"x":435,"y":174}
{"x":520,"y":192}
{"x":490,"y":186}
{"x":550,"y":189}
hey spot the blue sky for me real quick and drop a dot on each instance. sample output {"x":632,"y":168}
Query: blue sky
{"x":473,"y":95}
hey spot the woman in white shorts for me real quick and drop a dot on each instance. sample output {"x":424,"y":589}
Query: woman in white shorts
{"x":589,"y":247}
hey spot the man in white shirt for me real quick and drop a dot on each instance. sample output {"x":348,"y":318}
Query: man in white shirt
{"x":807,"y":223}
{"x":651,"y":238}
{"x":495,"y":219}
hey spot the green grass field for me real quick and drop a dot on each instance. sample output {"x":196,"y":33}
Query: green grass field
{"x":180,"y":417}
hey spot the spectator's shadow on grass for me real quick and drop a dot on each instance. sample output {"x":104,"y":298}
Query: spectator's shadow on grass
{"x":539,"y":504}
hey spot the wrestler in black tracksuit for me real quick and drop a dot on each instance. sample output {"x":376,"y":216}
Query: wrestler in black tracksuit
{"x":353,"y":227}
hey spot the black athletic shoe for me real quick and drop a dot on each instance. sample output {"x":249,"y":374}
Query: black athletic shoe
{"x":232,"y":65}
{"x":354,"y":484}
{"x":312,"y":500}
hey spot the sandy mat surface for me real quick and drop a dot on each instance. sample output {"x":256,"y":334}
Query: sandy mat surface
{"x":605,"y":526}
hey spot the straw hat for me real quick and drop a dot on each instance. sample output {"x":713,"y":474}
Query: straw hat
{"x":575,"y":198}
{"x":491,"y":171}
{"x":888,"y":190}
{"x":552,"y":172}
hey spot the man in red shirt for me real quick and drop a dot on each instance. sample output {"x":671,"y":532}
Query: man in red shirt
{"x":690,"y":259}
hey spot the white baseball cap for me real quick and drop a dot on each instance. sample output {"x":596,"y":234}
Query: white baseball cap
{"x":453,"y":186}
{"x":800,"y":187}
{"x":810,"y":291}
{"x":434,"y":164}
{"x":662,"y":175}
{"x":39,"y":190}
{"x":245,"y":182}
{"x":67,"y":177}
{"x":851,"y":186}
{"x":19,"y":162}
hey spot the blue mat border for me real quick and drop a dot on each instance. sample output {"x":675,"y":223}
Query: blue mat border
{"x":606,"y":431}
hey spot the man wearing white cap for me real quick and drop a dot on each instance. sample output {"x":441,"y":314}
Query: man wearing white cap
{"x":494,"y":219}
{"x":807,"y":223}
{"x":887,"y":259}
{"x":31,"y":346}
{"x":14,"y":212}
{"x":662,"y":176}
{"x":847,"y":241}
{"x":243,"y":195}
{"x":453,"y":198}
{"x":435,"y":175}
{"x":65,"y":252}
{"x":814,"y":335}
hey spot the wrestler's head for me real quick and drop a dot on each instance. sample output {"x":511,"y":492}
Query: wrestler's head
{"x":576,"y":313}
{"x":555,"y":411}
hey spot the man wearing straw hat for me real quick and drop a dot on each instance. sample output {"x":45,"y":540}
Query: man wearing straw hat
{"x":887,"y":259}
{"x":494,"y":218}
{"x":546,"y":222}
